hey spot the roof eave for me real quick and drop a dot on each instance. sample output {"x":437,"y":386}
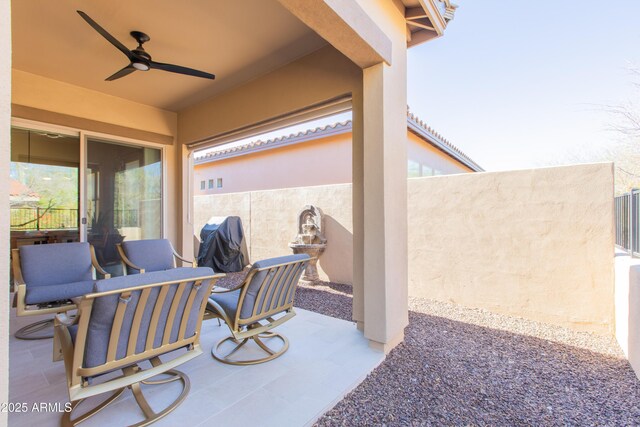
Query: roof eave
{"x":428,"y":20}
{"x":285,"y":141}
{"x":441,"y":144}
{"x":413,"y":124}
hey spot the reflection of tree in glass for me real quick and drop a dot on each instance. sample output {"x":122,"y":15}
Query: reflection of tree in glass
{"x":137,"y":189}
{"x":48,"y":197}
{"x":56,"y":186}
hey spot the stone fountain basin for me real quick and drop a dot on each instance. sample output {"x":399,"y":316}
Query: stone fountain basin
{"x":307,"y":245}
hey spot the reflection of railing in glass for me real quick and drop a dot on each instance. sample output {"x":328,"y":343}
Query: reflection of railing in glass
{"x":60,"y":219}
{"x":126,"y":218}
{"x":43,"y":218}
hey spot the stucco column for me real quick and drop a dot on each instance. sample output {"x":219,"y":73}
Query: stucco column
{"x":186,"y":232}
{"x":384,"y":160}
{"x":5,"y":135}
{"x":357,"y":173}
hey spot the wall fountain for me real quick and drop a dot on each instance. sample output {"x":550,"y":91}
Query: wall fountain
{"x":310,"y":240}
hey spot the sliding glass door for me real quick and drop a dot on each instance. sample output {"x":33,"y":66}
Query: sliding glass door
{"x":68,"y":186}
{"x":123,"y":197}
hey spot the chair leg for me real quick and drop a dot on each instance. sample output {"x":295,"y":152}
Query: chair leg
{"x":150,"y":415}
{"x":66,"y":418}
{"x":258,"y":339}
{"x":30,"y":332}
{"x":155,"y":361}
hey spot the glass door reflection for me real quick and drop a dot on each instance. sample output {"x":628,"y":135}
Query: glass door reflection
{"x":124,"y":197}
{"x":44,"y":187}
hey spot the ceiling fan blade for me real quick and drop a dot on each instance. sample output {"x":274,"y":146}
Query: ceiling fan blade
{"x":124,"y":72}
{"x":122,"y":48}
{"x":180,"y":70}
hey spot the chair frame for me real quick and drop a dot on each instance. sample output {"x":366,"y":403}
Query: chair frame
{"x":133,"y":375}
{"x":22,"y":308}
{"x":252,"y":328}
{"x":126,"y":262}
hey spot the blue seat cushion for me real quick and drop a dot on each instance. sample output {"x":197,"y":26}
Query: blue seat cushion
{"x":51,"y":293}
{"x":152,"y":255}
{"x":104,"y":309}
{"x":55,"y":264}
{"x":254,"y":286}
{"x":228,"y":301}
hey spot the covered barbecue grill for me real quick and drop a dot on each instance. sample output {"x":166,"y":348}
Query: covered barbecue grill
{"x":222,"y":245}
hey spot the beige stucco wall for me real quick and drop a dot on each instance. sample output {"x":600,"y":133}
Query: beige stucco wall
{"x":270,"y":222}
{"x":330,"y":157}
{"x":5,"y":125}
{"x":318,"y":77}
{"x":530,"y":243}
{"x":322,"y":161}
{"x":627,"y":303}
{"x":31,"y":90}
{"x":634,"y":318}
{"x":418,"y":150}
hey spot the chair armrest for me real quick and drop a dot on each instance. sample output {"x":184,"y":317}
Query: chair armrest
{"x":127,"y":261}
{"x":225,"y":290}
{"x":193,"y":263}
{"x":239,"y":286}
{"x":94,"y":261}
{"x":17,"y":270}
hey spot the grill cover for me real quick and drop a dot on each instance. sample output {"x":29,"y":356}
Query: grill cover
{"x":222,"y":245}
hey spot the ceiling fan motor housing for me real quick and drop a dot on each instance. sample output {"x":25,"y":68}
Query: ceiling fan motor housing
{"x":140,"y":37}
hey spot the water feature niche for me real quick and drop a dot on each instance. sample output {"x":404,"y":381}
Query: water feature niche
{"x":310,"y":240}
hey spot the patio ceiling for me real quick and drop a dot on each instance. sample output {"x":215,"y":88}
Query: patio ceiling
{"x":236,"y":41}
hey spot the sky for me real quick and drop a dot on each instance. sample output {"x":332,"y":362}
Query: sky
{"x":519,"y":84}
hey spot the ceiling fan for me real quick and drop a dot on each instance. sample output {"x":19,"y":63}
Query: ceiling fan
{"x":139,"y":59}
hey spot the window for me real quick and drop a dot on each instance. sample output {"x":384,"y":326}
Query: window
{"x":413,"y":169}
{"x":202,"y":185}
{"x":426,"y":170}
{"x":219,"y":183}
{"x":210,"y":184}
{"x":44,"y":184}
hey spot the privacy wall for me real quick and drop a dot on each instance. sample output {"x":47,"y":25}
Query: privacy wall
{"x":532,"y":243}
{"x":270,"y":218}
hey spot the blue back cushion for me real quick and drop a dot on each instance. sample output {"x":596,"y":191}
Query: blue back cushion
{"x":256,"y":282}
{"x":152,"y":255}
{"x":56,"y":264}
{"x":104,"y":309}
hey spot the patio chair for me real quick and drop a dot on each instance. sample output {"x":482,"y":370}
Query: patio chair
{"x":128,"y":320}
{"x":47,"y":277}
{"x":139,"y":256}
{"x":263,"y":301}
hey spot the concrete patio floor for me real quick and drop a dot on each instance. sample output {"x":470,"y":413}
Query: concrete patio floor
{"x":327,"y":358}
